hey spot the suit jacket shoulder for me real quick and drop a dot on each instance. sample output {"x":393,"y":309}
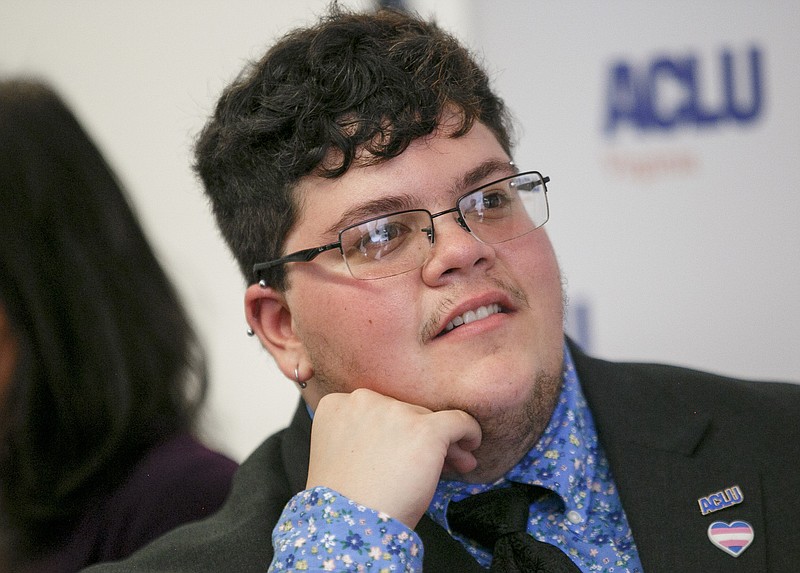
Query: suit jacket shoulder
{"x":674,"y":436}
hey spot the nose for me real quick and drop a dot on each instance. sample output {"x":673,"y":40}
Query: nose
{"x":455,"y":250}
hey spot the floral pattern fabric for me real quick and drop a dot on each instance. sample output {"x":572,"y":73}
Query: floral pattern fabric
{"x":321,"y":530}
{"x":583,"y":516}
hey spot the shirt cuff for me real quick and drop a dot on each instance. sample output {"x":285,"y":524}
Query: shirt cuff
{"x":322,"y":530}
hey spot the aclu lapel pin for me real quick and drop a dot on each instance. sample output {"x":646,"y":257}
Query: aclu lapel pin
{"x":721,"y":499}
{"x":733,"y":538}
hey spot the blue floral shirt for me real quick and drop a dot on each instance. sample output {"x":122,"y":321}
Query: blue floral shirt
{"x":321,"y":530}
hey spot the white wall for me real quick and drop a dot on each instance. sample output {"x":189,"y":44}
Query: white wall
{"x":696,"y":264}
{"x":143,"y":76}
{"x":685,"y":243}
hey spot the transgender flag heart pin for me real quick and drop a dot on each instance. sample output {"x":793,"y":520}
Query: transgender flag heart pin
{"x":732,"y":538}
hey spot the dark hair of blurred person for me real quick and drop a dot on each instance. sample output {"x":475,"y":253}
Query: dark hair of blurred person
{"x":101,"y":373}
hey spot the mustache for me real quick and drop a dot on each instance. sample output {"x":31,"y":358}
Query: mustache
{"x":434,"y":323}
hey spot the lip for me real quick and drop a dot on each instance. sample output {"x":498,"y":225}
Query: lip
{"x":472,"y":304}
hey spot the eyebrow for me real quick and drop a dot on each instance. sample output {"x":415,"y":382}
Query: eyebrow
{"x":371,"y":209}
{"x":490,"y":167}
{"x":404,"y":201}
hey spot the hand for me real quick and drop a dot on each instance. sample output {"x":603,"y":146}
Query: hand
{"x":386,"y":454}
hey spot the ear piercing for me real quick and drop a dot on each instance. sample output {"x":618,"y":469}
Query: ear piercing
{"x":297,"y":377}
{"x":263,"y":284}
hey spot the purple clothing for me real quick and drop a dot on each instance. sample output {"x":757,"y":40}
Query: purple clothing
{"x":177,"y":481}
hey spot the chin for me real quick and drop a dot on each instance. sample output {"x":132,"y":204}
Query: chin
{"x":512,"y":422}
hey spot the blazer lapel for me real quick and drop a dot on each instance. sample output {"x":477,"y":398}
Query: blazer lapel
{"x":664,"y":458}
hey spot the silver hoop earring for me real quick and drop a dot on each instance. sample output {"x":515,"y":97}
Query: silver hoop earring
{"x":297,"y":377}
{"x":250,"y":332}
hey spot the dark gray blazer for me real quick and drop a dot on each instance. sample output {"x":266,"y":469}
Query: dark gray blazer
{"x":672,"y":436}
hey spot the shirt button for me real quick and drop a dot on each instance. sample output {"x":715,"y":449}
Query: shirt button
{"x":574,"y":517}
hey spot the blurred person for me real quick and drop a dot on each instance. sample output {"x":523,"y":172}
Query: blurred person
{"x":362,"y":173}
{"x":101,"y":374}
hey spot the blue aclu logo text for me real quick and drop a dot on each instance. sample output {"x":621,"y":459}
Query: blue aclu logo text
{"x":667,"y":92}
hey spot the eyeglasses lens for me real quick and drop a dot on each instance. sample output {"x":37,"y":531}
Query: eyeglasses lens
{"x":387,"y":246}
{"x":400,"y":242}
{"x":506,"y":209}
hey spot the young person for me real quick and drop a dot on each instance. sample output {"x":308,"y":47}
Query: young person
{"x":101,"y":373}
{"x":362,"y":173}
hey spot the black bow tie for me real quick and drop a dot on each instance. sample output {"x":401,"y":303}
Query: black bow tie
{"x":498,"y":520}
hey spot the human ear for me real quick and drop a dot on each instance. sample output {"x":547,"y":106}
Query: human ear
{"x":270,"y":319}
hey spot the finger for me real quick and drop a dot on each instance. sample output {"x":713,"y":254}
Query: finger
{"x":458,"y":461}
{"x":464,"y":436}
{"x":460,"y":428}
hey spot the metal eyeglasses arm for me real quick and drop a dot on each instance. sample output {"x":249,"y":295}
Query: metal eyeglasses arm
{"x":297,"y":257}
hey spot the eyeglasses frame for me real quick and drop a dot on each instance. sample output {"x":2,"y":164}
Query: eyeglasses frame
{"x":308,"y":255}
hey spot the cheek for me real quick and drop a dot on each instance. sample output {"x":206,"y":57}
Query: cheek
{"x":358,"y":317}
{"x":534,"y":262}
{"x":535,"y":268}
{"x":370,"y":328}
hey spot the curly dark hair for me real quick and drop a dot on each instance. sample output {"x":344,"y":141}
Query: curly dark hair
{"x":352,"y":89}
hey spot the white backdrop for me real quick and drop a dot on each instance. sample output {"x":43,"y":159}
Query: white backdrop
{"x":684,"y":241}
{"x":679,"y":243}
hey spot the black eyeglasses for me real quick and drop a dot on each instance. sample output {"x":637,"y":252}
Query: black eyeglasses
{"x":399,"y":242}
